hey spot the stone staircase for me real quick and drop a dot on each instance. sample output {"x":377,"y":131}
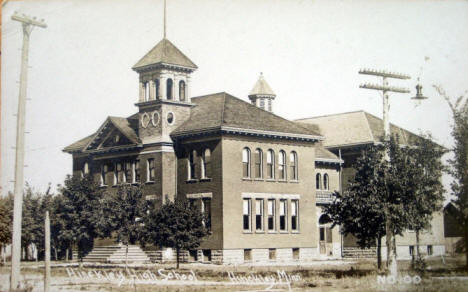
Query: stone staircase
{"x":116,"y":254}
{"x":358,"y":253}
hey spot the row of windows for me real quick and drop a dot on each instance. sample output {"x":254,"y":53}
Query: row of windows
{"x":270,"y":211}
{"x":412,"y":249}
{"x":205,"y":165}
{"x":322,"y":184}
{"x":126,"y":172}
{"x":169,"y":89}
{"x":270,"y":163}
{"x":271,"y":254}
{"x":262,"y":104}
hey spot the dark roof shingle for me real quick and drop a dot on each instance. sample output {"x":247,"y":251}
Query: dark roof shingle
{"x":224,"y":110}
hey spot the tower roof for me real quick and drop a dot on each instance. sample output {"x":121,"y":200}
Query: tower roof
{"x":164,"y":53}
{"x":262,"y":88}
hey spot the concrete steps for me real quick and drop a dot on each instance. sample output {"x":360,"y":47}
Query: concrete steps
{"x":116,"y":254}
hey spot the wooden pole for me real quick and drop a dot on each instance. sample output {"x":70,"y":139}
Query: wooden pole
{"x":47,"y":253}
{"x":28,"y":24}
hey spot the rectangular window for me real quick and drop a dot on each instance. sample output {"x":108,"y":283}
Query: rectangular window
{"x":117,"y":170}
{"x":136,"y":171}
{"x":128,"y":172}
{"x":259,"y":214}
{"x":206,"y":210}
{"x":295,"y":252}
{"x":322,"y":233}
{"x":293,"y":163}
{"x":270,"y":164}
{"x":282,"y":165}
{"x":271,"y":214}
{"x":151,"y":170}
{"x":191,"y":165}
{"x":104,"y":170}
{"x":246,"y":213}
{"x":272,"y":254}
{"x":283,"y":214}
{"x":329,"y":234}
{"x":294,"y":215}
{"x":411,"y":250}
{"x":247,"y":255}
{"x":258,"y":163}
{"x":429,"y":250}
{"x":246,"y":162}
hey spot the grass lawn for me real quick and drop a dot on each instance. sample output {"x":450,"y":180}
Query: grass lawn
{"x":443,"y":275}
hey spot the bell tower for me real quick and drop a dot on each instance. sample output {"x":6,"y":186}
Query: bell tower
{"x":261,"y":94}
{"x":164,"y":91}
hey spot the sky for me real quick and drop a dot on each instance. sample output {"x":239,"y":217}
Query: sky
{"x":310,"y":53}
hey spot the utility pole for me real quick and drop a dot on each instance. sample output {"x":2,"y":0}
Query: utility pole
{"x":386,"y":89}
{"x":28,"y":25}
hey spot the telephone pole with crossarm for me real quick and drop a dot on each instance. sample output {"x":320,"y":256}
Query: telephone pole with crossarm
{"x":28,"y":25}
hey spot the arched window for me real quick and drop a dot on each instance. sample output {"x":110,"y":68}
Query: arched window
{"x":326,"y":182}
{"x":169,"y":88}
{"x":147,"y":91}
{"x":282,"y":164}
{"x":246,"y":162}
{"x":318,"y":181}
{"x":206,"y":163}
{"x":156,"y":89}
{"x":270,"y":164}
{"x":324,"y":219}
{"x":182,"y":90}
{"x":293,"y":164}
{"x":191,"y":165}
{"x":258,"y":163}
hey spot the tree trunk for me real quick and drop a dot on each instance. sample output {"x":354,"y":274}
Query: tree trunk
{"x":177,"y":255}
{"x":379,"y":252}
{"x":466,"y":244}
{"x":391,"y":255}
{"x":417,"y":244}
{"x":126,"y":256}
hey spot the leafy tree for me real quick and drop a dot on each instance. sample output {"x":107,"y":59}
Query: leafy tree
{"x":380,"y":199}
{"x":428,"y":192}
{"x":359,"y":211}
{"x":78,"y":212}
{"x":175,"y":225}
{"x":121,"y":214}
{"x":459,"y":163}
{"x":6,"y":216}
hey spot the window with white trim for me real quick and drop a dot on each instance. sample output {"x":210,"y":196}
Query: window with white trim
{"x":191,"y":165}
{"x":318,"y":181}
{"x":294,"y":215}
{"x":270,"y":164}
{"x":258,"y":163}
{"x":282,"y":215}
{"x":128,"y":172}
{"x":246,"y":162}
{"x":326,"y":182}
{"x":282,"y":164}
{"x":271,"y":215}
{"x":206,"y":163}
{"x":151,"y":170}
{"x":206,"y":210}
{"x":246,"y":206}
{"x":259,"y":214}
{"x":293,"y":165}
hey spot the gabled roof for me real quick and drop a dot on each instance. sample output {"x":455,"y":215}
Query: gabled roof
{"x":261,"y":88}
{"x":126,"y":126}
{"x":355,"y":128}
{"x":164,"y":53}
{"x":224,"y":111}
